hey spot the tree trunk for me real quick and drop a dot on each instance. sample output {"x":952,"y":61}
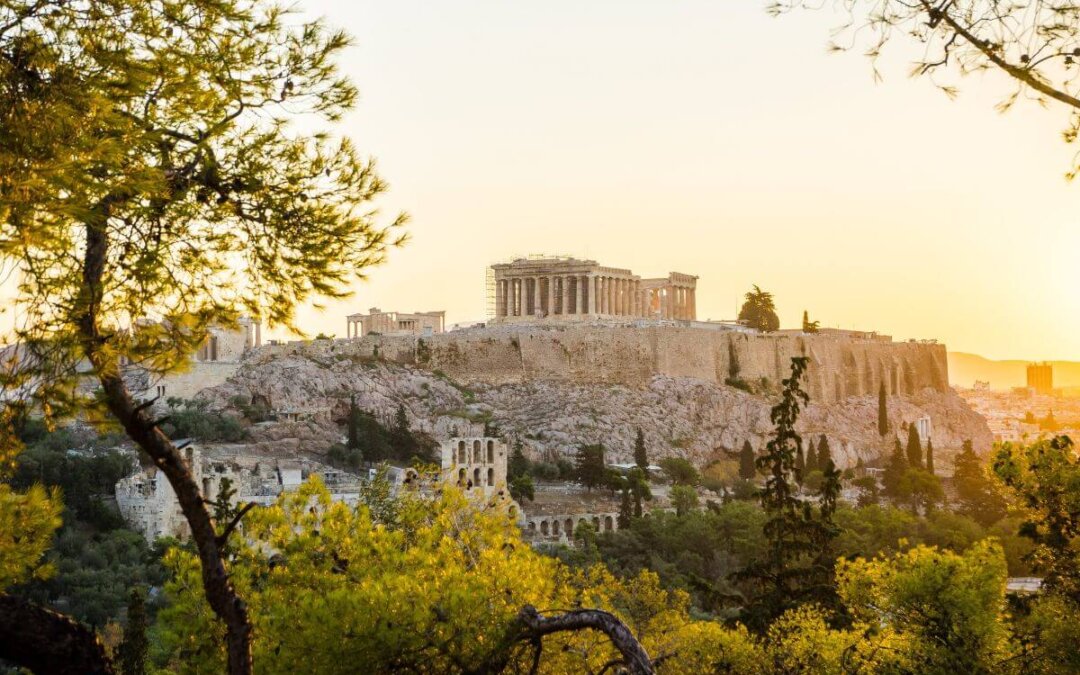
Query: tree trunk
{"x":138,"y":424}
{"x":48,"y":643}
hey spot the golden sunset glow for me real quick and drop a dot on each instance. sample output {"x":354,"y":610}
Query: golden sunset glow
{"x":709,"y":138}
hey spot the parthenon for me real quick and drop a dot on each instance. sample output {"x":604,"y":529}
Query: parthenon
{"x":567,"y":288}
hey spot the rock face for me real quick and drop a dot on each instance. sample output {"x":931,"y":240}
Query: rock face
{"x":600,"y":384}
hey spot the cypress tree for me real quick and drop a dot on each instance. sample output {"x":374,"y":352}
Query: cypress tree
{"x":134,"y":647}
{"x":800,"y":464}
{"x":930,"y":455}
{"x":824,"y":452}
{"x":747,"y":470}
{"x":354,"y":424}
{"x":590,"y":467}
{"x":811,"y":457}
{"x":641,"y":457}
{"x":882,"y":411}
{"x":625,"y":507}
{"x":894,"y":471}
{"x":914,"y":448}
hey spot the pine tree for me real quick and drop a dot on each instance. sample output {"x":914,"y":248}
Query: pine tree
{"x":800,"y":464}
{"x":132,"y":652}
{"x":790,"y":571}
{"x":589,"y":466}
{"x":747,"y":470}
{"x":882,"y":411}
{"x":930,"y":455}
{"x":811,"y":457}
{"x":641,"y":457}
{"x":519,"y":464}
{"x":914,"y":448}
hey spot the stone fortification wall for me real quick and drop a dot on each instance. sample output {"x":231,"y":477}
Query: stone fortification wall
{"x":840,"y":367}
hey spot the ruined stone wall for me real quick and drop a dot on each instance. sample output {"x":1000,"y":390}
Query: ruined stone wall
{"x":840,"y":367}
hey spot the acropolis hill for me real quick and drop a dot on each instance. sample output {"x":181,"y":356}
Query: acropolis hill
{"x":557,"y":386}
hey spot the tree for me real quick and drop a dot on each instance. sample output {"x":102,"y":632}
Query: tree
{"x":921,"y":489}
{"x":522,"y":488}
{"x":1033,"y":44}
{"x":914,"y":448}
{"x":519,"y":464}
{"x":353,"y":425}
{"x":895,"y":469}
{"x":759,"y":311}
{"x":626,"y":507}
{"x":809,"y":326}
{"x":812,"y":457}
{"x":639,"y":489}
{"x":977,"y":495}
{"x":800,"y":464}
{"x":789,"y":572}
{"x":824,"y":452}
{"x":344,"y":568}
{"x":680,"y":471}
{"x":641,"y":457}
{"x":150,"y":175}
{"x":1045,"y":477}
{"x":589,"y":467}
{"x":134,"y":647}
{"x":930,"y":456}
{"x":747,"y":469}
{"x":882,"y":411}
{"x":684,"y":498}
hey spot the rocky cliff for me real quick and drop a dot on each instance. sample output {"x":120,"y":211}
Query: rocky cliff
{"x":557,"y":388}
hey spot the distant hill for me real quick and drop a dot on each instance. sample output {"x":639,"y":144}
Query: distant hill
{"x":964,"y":369}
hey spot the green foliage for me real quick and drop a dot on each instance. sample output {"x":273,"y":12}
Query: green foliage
{"x":921,"y":489}
{"x":369,"y":440}
{"x":684,"y":498}
{"x":747,"y":467}
{"x":882,"y":411}
{"x":522,"y":488}
{"x":1046,"y":477}
{"x":895,"y":468}
{"x":641,"y":456}
{"x":680,"y":471}
{"x":193,"y":419}
{"x":978,"y":496}
{"x":133,"y":650}
{"x":759,"y":311}
{"x":914,"y":448}
{"x":930,"y":456}
{"x":793,"y":568}
{"x":160,"y":134}
{"x":518,"y":464}
{"x":824,"y":452}
{"x":809,"y":326}
{"x":590,"y":468}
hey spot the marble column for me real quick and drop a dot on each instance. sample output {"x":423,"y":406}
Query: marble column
{"x":536,"y":296}
{"x":693,"y":304}
{"x":609,"y":284}
{"x":579,"y":306}
{"x":564,"y":287}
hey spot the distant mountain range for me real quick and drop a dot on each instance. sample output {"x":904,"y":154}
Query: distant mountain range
{"x":964,"y":369}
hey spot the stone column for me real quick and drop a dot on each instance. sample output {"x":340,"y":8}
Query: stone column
{"x":536,"y":295}
{"x":498,"y":297}
{"x":579,"y":306}
{"x":515,"y":284}
{"x":550,"y":295}
{"x":609,"y":294}
{"x":624,"y":300}
{"x":564,"y":288}
{"x":693,"y":304}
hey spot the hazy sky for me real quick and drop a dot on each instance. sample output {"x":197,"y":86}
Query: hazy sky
{"x":710,"y":138}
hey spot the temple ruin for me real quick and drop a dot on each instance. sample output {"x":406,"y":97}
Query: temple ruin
{"x":528,"y":289}
{"x":379,"y":322}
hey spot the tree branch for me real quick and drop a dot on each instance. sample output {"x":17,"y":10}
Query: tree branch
{"x":634,"y":655}
{"x":224,"y":536}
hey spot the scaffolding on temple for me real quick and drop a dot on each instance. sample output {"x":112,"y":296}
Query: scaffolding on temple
{"x":490,"y":310}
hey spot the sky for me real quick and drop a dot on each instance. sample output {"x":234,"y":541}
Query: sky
{"x":709,"y":138}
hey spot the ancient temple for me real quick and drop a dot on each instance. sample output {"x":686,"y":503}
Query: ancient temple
{"x":567,"y":288}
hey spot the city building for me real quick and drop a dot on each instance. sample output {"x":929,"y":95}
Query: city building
{"x":1040,"y":377}
{"x":384,"y":323}
{"x":528,"y":289}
